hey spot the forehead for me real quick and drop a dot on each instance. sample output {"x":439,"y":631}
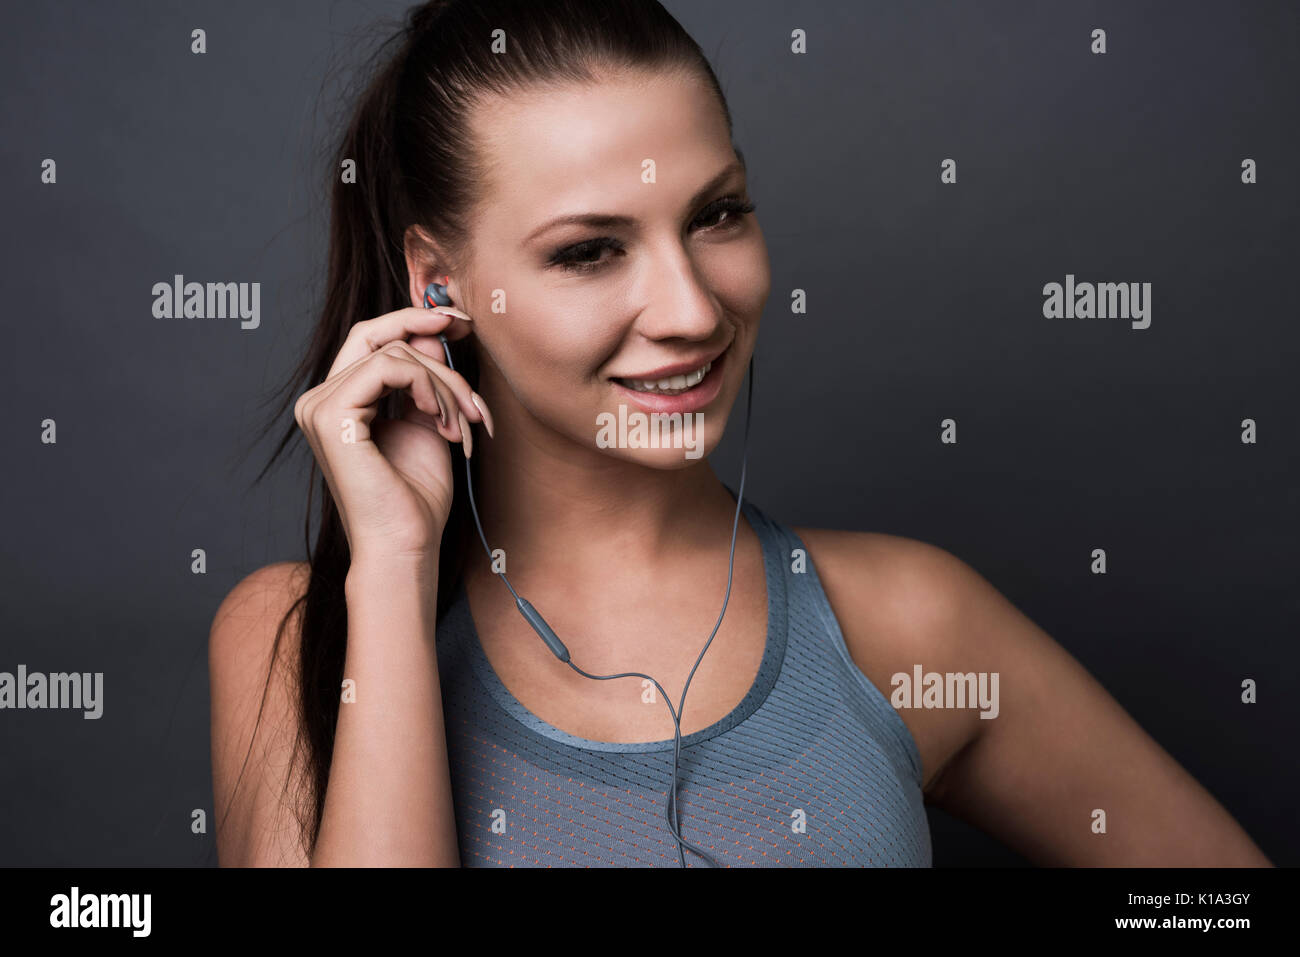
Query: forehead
{"x":561,"y":148}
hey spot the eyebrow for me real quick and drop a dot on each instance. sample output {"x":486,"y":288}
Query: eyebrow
{"x":609,"y":220}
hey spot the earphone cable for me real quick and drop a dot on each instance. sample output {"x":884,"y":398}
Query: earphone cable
{"x":670,"y":809}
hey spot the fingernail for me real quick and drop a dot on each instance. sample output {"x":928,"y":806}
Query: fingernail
{"x":467,"y":437}
{"x":442,"y":411}
{"x":487,"y":416}
{"x":455,"y":315}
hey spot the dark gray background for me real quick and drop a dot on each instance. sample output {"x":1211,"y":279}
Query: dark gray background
{"x":925,"y":302}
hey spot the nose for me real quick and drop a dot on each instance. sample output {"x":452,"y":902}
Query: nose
{"x":678,"y":303}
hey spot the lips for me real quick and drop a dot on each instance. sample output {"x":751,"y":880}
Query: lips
{"x":669,"y":385}
{"x":687,"y":373}
{"x":687,"y":389}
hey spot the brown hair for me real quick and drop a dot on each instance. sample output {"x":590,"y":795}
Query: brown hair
{"x":409,"y":138}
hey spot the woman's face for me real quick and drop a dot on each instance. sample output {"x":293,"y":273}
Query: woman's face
{"x":613,"y":263}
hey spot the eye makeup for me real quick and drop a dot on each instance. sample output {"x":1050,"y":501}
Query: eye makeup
{"x":576,"y":258}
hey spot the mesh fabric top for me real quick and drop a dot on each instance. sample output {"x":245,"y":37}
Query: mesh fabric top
{"x":813,"y":768}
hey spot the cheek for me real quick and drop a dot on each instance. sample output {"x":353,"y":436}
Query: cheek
{"x":558,"y":345}
{"x":569,"y":339}
{"x":741,"y":276}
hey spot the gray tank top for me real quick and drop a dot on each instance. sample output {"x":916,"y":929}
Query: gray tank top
{"x":813,"y":768}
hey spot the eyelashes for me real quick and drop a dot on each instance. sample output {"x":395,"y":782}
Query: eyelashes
{"x":582,"y":257}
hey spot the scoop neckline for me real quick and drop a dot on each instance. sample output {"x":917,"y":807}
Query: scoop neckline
{"x":466,"y":634}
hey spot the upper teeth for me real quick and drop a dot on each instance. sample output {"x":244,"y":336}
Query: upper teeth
{"x":672,"y":383}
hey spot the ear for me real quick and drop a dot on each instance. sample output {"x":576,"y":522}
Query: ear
{"x":424,"y":264}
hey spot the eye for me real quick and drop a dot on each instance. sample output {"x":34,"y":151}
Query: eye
{"x":579,"y":257}
{"x":732,"y":207}
{"x":586,"y":257}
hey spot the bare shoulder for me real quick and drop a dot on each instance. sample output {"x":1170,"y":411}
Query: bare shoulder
{"x":271,"y":588}
{"x":247,"y":621}
{"x":1061,"y":772}
{"x":252,"y":659}
{"x":900,"y":602}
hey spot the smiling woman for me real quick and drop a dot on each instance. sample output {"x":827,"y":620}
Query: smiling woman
{"x":563,"y":173}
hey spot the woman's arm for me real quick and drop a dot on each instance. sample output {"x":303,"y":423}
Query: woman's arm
{"x":1060,"y":747}
{"x":388,"y":801}
{"x":1063,"y":748}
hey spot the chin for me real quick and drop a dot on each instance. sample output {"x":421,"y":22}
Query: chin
{"x":659,"y":441}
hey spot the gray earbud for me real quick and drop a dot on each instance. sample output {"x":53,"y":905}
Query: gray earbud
{"x":435,"y":294}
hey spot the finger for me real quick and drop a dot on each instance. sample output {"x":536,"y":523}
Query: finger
{"x":411,"y":413}
{"x":460,"y":325}
{"x":453,"y":425}
{"x":460,"y":395}
{"x":430,"y":346}
{"x":371,"y":335}
{"x":346,"y":424}
{"x":453,"y":311}
{"x":458,"y":403}
{"x":302,"y":412}
{"x":334,"y":419}
{"x":452,"y":386}
{"x":433,"y":347}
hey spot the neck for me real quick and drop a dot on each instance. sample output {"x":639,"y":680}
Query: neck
{"x":543,"y":497}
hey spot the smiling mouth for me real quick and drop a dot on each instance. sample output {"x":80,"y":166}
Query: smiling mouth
{"x":671,"y":385}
